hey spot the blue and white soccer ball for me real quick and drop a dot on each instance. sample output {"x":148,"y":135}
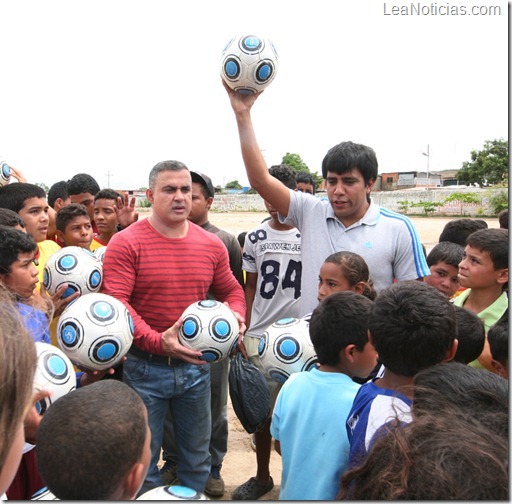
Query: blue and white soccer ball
{"x":95,"y":331}
{"x":99,"y":253}
{"x":5,"y":173}
{"x":210,"y":327}
{"x":43,"y":494}
{"x":173,"y":492}
{"x":54,"y":372}
{"x":286,"y":348}
{"x":249,"y":63}
{"x":77,"y":267}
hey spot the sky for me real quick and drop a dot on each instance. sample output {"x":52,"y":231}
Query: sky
{"x":112,"y":87}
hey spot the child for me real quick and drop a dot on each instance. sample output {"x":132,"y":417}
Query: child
{"x":105,"y":217}
{"x":29,"y":201}
{"x":343,"y":271}
{"x":272,"y":261}
{"x":434,"y":458}
{"x":305,"y":182}
{"x":443,"y":261}
{"x":308,"y":419}
{"x":74,"y":226}
{"x":412,"y":327}
{"x":470,"y":335}
{"x":94,"y":443}
{"x":81,"y":189}
{"x":19,"y":361}
{"x":498,"y":345}
{"x":484,"y":271}
{"x":457,"y":230}
{"x":12,"y":219}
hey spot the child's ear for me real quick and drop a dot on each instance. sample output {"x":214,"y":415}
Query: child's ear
{"x":348,"y":352}
{"x":133,"y":480}
{"x":499,"y":369}
{"x":450,"y":354}
{"x":503,"y":276}
{"x":358,"y":288}
{"x":60,"y":238}
{"x":370,"y":338}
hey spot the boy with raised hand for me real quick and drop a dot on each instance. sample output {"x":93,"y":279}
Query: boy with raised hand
{"x":484,"y":271}
{"x":412,"y":327}
{"x":309,"y":417}
{"x":94,"y":443}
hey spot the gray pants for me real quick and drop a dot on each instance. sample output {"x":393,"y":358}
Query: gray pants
{"x":219,"y":400}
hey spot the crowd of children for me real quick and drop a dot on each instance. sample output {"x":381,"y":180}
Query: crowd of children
{"x":409,"y":399}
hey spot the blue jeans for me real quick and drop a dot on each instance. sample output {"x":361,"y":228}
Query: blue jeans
{"x":185,"y":388}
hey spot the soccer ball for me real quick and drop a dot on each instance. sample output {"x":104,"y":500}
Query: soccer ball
{"x":99,"y":253}
{"x":210,"y":327}
{"x":77,"y":267}
{"x":174,"y":492}
{"x":95,"y":331}
{"x":249,"y":63}
{"x":286,"y":348}
{"x":54,"y":372}
{"x":5,"y":173}
{"x":43,"y":494}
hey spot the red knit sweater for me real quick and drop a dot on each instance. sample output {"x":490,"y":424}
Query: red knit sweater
{"x":157,"y":278}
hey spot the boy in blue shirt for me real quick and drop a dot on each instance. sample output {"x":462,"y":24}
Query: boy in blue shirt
{"x":308,"y":423}
{"x":412,"y":327}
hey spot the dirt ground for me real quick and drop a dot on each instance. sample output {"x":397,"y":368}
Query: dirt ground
{"x":240,"y":461}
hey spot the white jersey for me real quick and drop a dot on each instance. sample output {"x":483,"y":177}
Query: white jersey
{"x":275,"y":256}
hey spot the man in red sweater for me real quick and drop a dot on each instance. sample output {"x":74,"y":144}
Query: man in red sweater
{"x":157,"y":267}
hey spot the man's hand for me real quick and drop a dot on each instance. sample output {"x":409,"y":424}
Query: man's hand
{"x":172,"y":347}
{"x":91,"y":376}
{"x":240,"y":102}
{"x":17,"y":175}
{"x":240,"y":347}
{"x":125,"y":211}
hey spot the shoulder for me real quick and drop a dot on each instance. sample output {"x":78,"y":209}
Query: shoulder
{"x":48,"y":247}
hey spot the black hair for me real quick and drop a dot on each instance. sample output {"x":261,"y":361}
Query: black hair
{"x":413,"y":327}
{"x":67,"y":213}
{"x":477,"y":395}
{"x":11,"y":218}
{"x":503,"y":219}
{"x":12,"y":243}
{"x":341,"y":319}
{"x":82,"y":183}
{"x":56,"y":191}
{"x":285,"y":174}
{"x":498,"y":339}
{"x":470,"y":335}
{"x":14,"y":196}
{"x":494,"y":242}
{"x":347,"y":156}
{"x":241,"y":238}
{"x":305,"y":177}
{"x":109,"y":194}
{"x":446,"y":252}
{"x":457,"y":230}
{"x":89,"y":439}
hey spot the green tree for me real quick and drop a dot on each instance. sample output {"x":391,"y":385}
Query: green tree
{"x":295,"y":162}
{"x":489,"y":165}
{"x":234,"y":184}
{"x":43,"y":186}
{"x":428,"y":206}
{"x":463,"y":198}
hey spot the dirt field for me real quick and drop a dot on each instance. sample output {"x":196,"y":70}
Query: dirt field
{"x":240,"y":461}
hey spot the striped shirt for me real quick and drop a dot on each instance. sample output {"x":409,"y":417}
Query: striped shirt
{"x":157,"y":278}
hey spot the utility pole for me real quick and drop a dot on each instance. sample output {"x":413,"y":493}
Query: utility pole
{"x":109,"y":174}
{"x":428,"y":165}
